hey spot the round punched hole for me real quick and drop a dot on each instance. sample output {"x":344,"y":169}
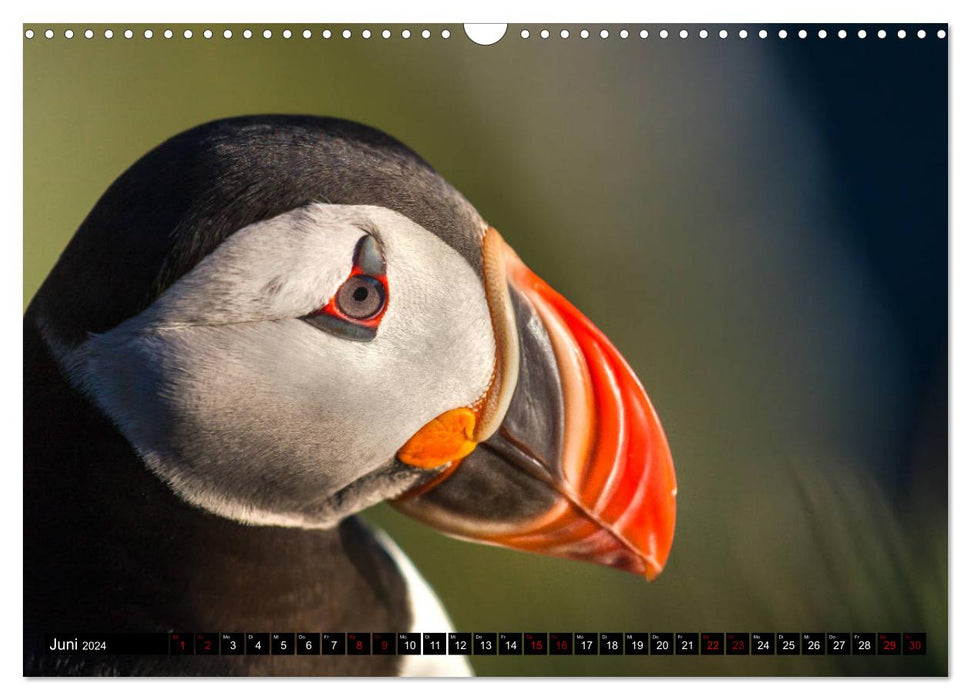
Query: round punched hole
{"x":485,"y":34}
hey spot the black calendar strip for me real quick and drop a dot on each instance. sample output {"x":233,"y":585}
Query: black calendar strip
{"x":493,"y":643}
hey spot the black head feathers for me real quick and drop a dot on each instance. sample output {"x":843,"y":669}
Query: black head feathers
{"x":177,"y":203}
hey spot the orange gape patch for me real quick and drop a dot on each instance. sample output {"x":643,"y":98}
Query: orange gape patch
{"x":442,"y":440}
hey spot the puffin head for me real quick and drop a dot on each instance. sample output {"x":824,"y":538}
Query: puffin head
{"x":293,"y":318}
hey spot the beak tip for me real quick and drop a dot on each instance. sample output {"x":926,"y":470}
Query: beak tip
{"x":654,"y":565}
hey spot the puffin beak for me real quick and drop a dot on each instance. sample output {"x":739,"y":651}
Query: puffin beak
{"x":566,"y":455}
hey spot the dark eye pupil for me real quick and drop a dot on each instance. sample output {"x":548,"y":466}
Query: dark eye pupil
{"x":361,"y":297}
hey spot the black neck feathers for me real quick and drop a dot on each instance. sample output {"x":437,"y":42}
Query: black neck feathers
{"x":109,"y":548}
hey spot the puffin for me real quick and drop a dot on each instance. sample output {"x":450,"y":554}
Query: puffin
{"x":268,"y":324}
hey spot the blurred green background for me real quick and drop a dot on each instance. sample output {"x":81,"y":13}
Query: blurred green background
{"x":782,"y":296}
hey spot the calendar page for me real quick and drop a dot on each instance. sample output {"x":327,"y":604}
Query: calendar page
{"x":498,"y":350}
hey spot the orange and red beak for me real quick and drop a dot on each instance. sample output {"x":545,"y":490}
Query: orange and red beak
{"x":565,"y":456}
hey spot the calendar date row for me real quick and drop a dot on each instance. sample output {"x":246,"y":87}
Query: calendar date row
{"x":496,"y":643}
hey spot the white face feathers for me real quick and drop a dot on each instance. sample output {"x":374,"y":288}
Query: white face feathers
{"x":248,"y":411}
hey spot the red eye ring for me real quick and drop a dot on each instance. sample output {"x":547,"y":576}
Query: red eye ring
{"x":362,"y":299}
{"x":355,"y":310}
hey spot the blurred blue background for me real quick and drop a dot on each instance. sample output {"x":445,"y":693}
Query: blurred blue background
{"x":759,"y":225}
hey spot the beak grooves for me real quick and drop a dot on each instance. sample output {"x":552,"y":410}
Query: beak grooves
{"x":617,"y":473}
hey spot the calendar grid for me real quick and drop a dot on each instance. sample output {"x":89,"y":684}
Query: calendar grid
{"x":493,"y":643}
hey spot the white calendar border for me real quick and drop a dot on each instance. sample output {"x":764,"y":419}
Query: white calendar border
{"x":605,"y":11}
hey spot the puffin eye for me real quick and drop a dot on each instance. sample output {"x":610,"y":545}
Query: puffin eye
{"x":361,"y":297}
{"x":355,"y":310}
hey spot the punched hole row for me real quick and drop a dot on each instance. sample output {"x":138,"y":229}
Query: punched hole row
{"x":446,"y":34}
